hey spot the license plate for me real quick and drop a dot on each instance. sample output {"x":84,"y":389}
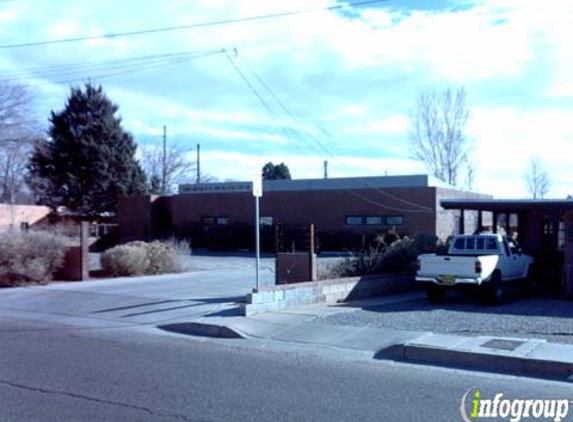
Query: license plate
{"x":447,"y":279}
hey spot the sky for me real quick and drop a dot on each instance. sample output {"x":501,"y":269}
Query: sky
{"x":332,"y":82}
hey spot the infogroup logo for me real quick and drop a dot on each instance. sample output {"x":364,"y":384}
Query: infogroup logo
{"x":475,"y":407}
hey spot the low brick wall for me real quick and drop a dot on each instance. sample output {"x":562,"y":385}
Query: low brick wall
{"x":282,"y":297}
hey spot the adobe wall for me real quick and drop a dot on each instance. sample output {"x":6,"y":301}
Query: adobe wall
{"x":144,"y":217}
{"x":12,"y":216}
{"x":326,"y":209}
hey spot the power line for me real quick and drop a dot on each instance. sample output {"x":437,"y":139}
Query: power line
{"x":190,"y":26}
{"x":284,"y":128}
{"x":270,"y":110}
{"x":99,"y":65}
{"x":118,"y":70}
{"x":320,"y":144}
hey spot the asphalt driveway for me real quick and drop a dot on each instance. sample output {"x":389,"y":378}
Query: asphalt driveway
{"x":213,"y":284}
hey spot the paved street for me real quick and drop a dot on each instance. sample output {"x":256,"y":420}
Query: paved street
{"x":542,"y":318}
{"x":92,"y":351}
{"x":54,"y":373}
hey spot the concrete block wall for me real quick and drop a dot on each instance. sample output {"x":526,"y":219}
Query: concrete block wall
{"x":283,"y":297}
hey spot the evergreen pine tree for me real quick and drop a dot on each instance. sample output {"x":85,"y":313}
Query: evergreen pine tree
{"x":89,"y":159}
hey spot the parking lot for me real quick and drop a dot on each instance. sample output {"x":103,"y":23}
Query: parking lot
{"x":539,"y":317}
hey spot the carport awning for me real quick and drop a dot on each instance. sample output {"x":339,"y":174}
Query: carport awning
{"x":556,"y":206}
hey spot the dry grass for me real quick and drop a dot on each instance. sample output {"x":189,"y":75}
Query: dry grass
{"x":30,"y":257}
{"x":138,"y":258}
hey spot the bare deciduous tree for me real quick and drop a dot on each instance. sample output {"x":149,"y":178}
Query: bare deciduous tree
{"x":17,"y":131}
{"x":537,"y":178}
{"x":437,"y":135}
{"x":15,"y":113}
{"x":179,"y":168}
{"x":13,"y":170}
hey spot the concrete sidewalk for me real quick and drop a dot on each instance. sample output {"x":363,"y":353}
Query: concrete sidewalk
{"x":535,"y":358}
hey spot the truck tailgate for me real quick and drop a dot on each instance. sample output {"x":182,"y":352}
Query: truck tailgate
{"x":439,"y":265}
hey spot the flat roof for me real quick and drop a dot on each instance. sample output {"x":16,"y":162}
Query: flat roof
{"x":508,"y":205}
{"x":375,"y":182}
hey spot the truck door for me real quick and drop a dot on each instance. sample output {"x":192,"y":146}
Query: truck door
{"x":508,"y":262}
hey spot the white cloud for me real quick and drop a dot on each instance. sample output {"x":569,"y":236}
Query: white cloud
{"x":351,"y":81}
{"x":228,"y":134}
{"x":64,"y":29}
{"x":394,"y":125}
{"x":7,"y":16}
{"x":239,"y":166}
{"x":506,"y":139}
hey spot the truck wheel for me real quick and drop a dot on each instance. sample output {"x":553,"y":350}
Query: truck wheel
{"x":435,"y":294}
{"x":494,"y":290}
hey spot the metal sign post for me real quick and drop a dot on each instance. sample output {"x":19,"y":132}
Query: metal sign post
{"x":257,"y":193}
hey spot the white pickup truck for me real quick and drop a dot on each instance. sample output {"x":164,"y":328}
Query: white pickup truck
{"x":487,"y":261}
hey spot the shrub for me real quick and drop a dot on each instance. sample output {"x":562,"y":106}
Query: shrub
{"x":182,"y":247}
{"x":138,"y":258}
{"x":30,"y":256}
{"x":399,"y":255}
{"x":162,"y":258}
{"x":125,"y":260}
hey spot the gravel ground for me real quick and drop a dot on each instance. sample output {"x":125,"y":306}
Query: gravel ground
{"x":543,"y":318}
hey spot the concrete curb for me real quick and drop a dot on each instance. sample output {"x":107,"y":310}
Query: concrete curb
{"x":203,"y":329}
{"x":485,"y":362}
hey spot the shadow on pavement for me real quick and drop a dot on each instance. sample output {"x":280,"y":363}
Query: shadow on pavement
{"x":185,"y":303}
{"x":200,"y":329}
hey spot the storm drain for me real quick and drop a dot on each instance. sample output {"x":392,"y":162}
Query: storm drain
{"x":502,"y":344}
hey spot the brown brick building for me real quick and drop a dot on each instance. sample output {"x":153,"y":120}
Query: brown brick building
{"x":405,"y":204}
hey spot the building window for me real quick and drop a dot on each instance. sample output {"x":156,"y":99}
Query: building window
{"x":266,"y":221}
{"x":395,"y":220}
{"x":207,"y":221}
{"x":354,"y":220}
{"x":212,"y":221}
{"x":374,"y":221}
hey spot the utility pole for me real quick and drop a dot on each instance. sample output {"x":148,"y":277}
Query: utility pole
{"x":257,"y":193}
{"x":198,"y":163}
{"x":164,"y":172}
